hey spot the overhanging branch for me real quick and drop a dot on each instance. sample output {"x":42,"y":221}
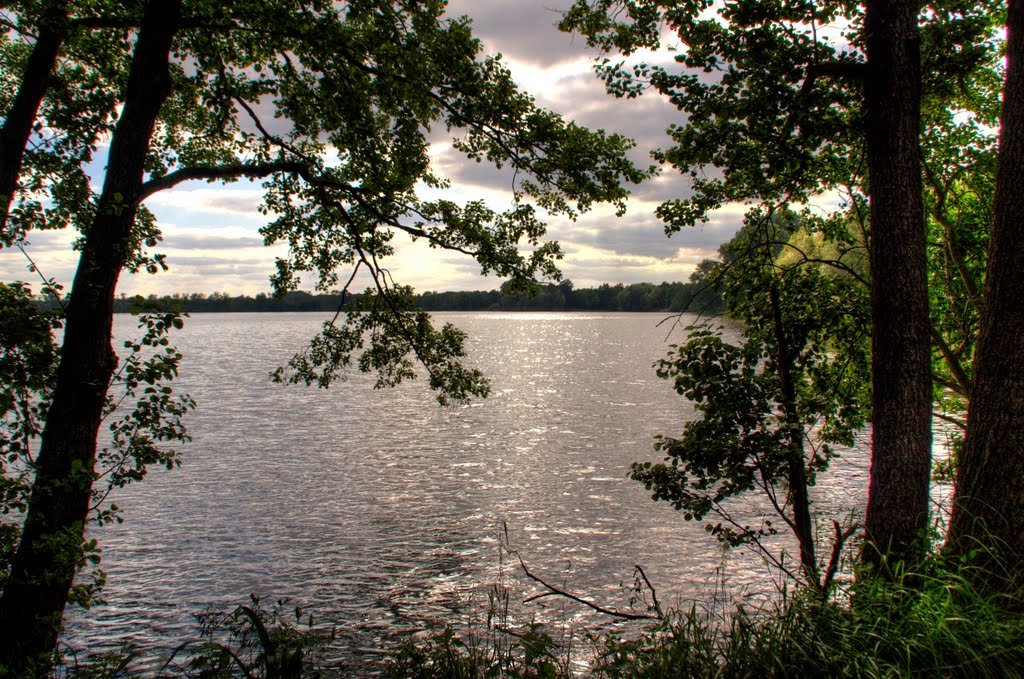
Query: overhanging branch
{"x":230,"y":171}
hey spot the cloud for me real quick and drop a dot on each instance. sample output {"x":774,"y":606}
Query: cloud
{"x":211,"y":231}
{"x":646,"y":240}
{"x":52,"y":254}
{"x":234,"y":200}
{"x":190,"y":241}
{"x":521,"y":29}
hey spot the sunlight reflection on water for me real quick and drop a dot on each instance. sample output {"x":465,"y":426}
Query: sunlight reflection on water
{"x":380,"y":511}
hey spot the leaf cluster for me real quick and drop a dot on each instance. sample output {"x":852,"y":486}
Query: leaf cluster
{"x":145,"y":417}
{"x":799,"y":316}
{"x":380,"y":333}
{"x":28,"y":363}
{"x":765,"y":118}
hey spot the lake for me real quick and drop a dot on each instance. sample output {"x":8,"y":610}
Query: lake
{"x":380,"y":511}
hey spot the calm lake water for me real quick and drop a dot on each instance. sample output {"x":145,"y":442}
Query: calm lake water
{"x":380,"y":511}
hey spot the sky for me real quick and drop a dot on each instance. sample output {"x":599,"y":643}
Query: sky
{"x":211,"y":236}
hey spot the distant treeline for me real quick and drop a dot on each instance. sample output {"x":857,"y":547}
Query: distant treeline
{"x":561,"y":297}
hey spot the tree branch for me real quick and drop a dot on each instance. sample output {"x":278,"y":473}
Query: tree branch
{"x":555,"y":591}
{"x":963,"y":382}
{"x":230,"y":171}
{"x":952,"y":420}
{"x":940,"y":213}
{"x":842,"y":535}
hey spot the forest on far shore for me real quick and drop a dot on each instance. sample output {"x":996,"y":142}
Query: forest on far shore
{"x":670,"y":297}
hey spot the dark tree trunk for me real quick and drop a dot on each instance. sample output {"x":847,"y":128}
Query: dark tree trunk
{"x":988,"y":507}
{"x":21,"y":115}
{"x":799,"y":497}
{"x":50,"y":549}
{"x":897,"y":509}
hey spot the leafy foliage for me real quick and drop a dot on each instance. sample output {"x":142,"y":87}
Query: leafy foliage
{"x":774,"y":104}
{"x":252,"y":640}
{"x":771,"y":407}
{"x":533,"y":654}
{"x":333,"y":106}
{"x":146,"y":417}
{"x":383,"y":330}
{"x":771,"y":91}
{"x":763,"y":123}
{"x":27,"y":366}
{"x":28,"y":362}
{"x":143,"y":417}
{"x":255,"y":641}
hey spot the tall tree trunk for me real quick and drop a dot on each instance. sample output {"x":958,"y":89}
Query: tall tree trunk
{"x":988,"y":506}
{"x":901,"y":365}
{"x":21,"y":115}
{"x":42,"y":570}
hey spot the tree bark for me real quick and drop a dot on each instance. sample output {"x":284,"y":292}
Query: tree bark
{"x":988,"y":506}
{"x":48,"y":555}
{"x":799,"y":497}
{"x":897,"y":508}
{"x":21,"y":115}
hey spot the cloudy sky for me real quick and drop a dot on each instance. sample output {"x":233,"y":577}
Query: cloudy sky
{"x":211,"y":234}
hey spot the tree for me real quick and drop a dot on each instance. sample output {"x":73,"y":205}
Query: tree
{"x":989,"y":501}
{"x":330,"y":105}
{"x":788,"y":100}
{"x":770,"y":407}
{"x":897,"y":510}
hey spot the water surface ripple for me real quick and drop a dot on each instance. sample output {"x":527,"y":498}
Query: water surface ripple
{"x":381,"y":511}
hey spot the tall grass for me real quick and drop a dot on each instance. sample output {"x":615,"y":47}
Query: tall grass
{"x":496,"y":647}
{"x":933,"y":622}
{"x":940,"y":620}
{"x":253,"y":641}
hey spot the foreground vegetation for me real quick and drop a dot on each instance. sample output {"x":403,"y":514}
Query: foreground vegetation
{"x":935,"y":622}
{"x":938,"y":622}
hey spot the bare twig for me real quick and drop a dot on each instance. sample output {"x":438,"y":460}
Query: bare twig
{"x":555,"y":591}
{"x":841,"y":536}
{"x":654,"y":592}
{"x":47,"y":283}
